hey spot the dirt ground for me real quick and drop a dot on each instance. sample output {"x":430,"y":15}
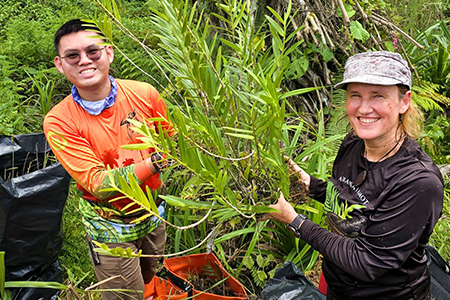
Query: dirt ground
{"x":314,"y":274}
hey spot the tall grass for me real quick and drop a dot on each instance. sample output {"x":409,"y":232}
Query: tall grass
{"x":415,"y":16}
{"x":74,"y":255}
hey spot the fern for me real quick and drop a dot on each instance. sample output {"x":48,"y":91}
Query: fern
{"x":341,"y":209}
{"x":427,"y":97}
{"x":12,"y":120}
{"x":255,"y":276}
{"x":331,"y":201}
{"x":338,"y":121}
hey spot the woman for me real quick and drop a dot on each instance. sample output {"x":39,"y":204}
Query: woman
{"x":393,"y":187}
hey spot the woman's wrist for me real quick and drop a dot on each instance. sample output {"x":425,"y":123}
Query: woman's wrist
{"x":296,"y":224}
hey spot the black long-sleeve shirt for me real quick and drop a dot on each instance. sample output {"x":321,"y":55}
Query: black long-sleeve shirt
{"x":403,"y":198}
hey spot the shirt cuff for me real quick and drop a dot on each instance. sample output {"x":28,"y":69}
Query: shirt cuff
{"x":142,"y":171}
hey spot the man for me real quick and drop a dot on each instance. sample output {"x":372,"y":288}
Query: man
{"x":86,"y":131}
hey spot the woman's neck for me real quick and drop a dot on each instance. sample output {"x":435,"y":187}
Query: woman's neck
{"x":379,"y":151}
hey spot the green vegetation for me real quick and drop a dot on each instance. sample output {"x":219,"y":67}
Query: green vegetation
{"x":74,"y":258}
{"x":240,"y":82}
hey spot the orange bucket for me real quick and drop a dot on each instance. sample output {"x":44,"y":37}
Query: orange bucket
{"x":185,"y":266}
{"x":162,"y":289}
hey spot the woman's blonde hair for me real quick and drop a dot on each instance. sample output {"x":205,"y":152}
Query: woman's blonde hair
{"x":411,"y":121}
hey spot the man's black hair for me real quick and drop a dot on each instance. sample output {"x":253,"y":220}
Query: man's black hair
{"x":72,"y":26}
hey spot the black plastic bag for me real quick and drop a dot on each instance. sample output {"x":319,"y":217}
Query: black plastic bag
{"x":33,"y":192}
{"x":53,"y":273}
{"x":289,"y":283}
{"x":440,"y":274}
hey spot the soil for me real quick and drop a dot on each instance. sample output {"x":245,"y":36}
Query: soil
{"x":314,"y":274}
{"x":211,"y":283}
{"x":297,"y":189}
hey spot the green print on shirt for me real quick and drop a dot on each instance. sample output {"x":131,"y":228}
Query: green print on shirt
{"x":106,"y":231}
{"x":332,"y":203}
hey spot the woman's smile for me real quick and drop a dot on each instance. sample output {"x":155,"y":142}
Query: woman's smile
{"x":374,"y":111}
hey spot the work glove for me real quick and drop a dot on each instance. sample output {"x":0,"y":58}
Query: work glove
{"x":350,"y":228}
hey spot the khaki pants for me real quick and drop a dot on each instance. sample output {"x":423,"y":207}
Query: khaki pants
{"x":134,"y":272}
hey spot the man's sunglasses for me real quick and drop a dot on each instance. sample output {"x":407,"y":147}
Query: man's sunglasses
{"x":75,"y":57}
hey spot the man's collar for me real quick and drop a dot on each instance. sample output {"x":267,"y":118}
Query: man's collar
{"x":96,"y":107}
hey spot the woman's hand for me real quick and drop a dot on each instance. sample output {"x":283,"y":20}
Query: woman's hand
{"x":305,"y":177}
{"x":286,"y":212}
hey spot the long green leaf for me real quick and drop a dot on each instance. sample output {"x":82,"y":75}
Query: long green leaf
{"x":2,"y":274}
{"x":233,"y":234}
{"x":183,"y":203}
{"x":35,"y":284}
{"x":259,"y":226}
{"x":138,"y":194}
{"x":275,"y":25}
{"x":299,"y":92}
{"x":242,"y":136}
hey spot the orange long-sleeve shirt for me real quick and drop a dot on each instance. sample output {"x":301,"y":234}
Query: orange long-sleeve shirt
{"x":86,"y":144}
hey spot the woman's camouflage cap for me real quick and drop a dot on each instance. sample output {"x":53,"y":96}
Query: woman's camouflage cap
{"x":380,"y":67}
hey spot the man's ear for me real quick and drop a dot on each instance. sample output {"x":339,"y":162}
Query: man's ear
{"x":58,"y":64}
